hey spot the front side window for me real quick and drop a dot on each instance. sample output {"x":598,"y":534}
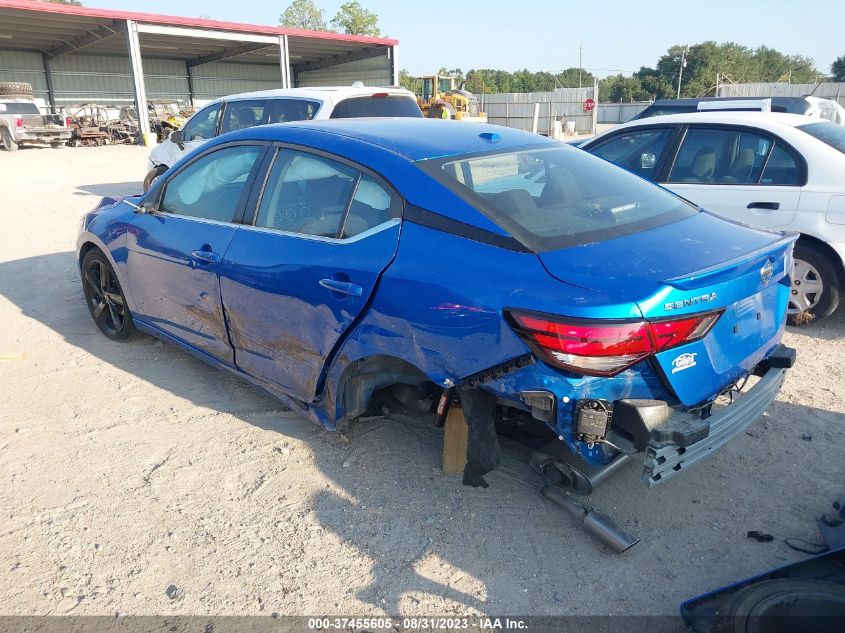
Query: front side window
{"x":212,"y":186}
{"x":306,"y":194}
{"x":240,"y":115}
{"x":203,"y":125}
{"x":720,"y":157}
{"x":639,"y":151}
{"x":558,"y":197}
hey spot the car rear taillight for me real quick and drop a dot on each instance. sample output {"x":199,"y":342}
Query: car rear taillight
{"x":67,"y":121}
{"x":19,"y":122}
{"x":380,"y":95}
{"x":605,"y":348}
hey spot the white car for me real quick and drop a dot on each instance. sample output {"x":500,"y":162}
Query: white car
{"x":776,"y":171}
{"x":237,"y":112}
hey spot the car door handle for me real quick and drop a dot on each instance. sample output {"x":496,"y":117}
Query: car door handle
{"x":771,"y":206}
{"x":343,"y":287}
{"x":209,"y":257}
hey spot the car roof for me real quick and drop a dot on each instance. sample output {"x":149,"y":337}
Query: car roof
{"x":329,"y":93}
{"x":762,"y":119}
{"x":692,"y":101}
{"x":413,"y":138}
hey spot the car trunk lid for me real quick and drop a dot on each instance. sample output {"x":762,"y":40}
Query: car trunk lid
{"x":700,"y":264}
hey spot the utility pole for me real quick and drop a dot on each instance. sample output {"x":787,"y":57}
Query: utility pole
{"x":681,"y":70}
{"x":580,"y":62}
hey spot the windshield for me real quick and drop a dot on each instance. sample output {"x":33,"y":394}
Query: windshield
{"x":376,"y":106}
{"x":826,"y":132}
{"x":558,"y":197}
{"x":17,"y":107}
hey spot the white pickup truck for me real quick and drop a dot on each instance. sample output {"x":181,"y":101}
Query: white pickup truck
{"x":21,"y":122}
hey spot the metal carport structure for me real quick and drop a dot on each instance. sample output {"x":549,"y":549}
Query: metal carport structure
{"x":76,"y":54}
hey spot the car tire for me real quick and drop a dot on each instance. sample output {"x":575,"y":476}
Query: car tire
{"x":8,"y":142}
{"x":104,"y":297}
{"x":15,"y":89}
{"x":813,"y":268}
{"x":769,"y":605}
{"x":153,"y":175}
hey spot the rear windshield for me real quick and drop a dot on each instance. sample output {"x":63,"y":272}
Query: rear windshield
{"x":19,"y":108}
{"x":558,"y":197}
{"x":827,"y":132}
{"x":376,"y":106}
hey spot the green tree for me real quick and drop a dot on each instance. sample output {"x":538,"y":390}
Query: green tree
{"x":304,"y":14}
{"x":837,"y":69}
{"x":730,"y":61}
{"x":409,"y":83}
{"x":354,"y":19}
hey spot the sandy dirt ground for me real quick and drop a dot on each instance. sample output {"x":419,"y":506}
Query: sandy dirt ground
{"x":137,"y":480}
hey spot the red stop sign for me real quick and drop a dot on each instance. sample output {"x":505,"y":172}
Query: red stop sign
{"x":589,"y":104}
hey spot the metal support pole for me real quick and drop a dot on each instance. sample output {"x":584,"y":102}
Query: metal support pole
{"x":681,"y":70}
{"x":191,"y":94}
{"x":284,"y":61}
{"x":595,"y":111}
{"x":535,"y":118}
{"x":48,"y":75}
{"x":394,"y":64}
{"x":137,"y":69}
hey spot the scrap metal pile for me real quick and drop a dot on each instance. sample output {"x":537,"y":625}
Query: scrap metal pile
{"x":93,"y":124}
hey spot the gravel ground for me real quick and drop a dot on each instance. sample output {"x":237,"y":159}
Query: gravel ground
{"x":137,"y":480}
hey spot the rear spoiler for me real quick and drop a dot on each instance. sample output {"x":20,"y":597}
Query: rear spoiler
{"x":693,"y":279}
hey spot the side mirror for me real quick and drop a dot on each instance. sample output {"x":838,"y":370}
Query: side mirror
{"x":176,"y":137}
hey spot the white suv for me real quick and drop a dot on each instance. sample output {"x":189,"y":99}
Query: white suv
{"x":776,"y":171}
{"x":237,"y":112}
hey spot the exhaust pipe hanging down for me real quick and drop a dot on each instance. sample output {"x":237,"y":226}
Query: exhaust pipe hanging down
{"x":596,"y":524}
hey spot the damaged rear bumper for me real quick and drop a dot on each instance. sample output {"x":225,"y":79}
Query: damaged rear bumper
{"x":665,"y":459}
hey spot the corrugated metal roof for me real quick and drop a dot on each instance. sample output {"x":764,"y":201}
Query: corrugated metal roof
{"x":154,"y":18}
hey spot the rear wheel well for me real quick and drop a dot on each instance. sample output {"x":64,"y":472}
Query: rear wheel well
{"x":825,"y":249}
{"x":363,"y":377}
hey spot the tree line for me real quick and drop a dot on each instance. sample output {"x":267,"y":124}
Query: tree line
{"x":703,"y":65}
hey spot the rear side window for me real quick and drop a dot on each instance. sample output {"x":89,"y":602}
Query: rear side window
{"x":240,"y":115}
{"x":284,"y":110}
{"x":377,"y":106}
{"x":203,"y":125}
{"x":211,"y":187}
{"x":558,"y":197}
{"x":639,"y":151}
{"x":371,"y":206}
{"x":306,"y":194}
{"x":722,"y":157}
{"x":782,"y":168}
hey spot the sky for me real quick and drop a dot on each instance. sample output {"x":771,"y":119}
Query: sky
{"x":616,"y":36}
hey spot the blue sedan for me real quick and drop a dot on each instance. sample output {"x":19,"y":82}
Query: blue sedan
{"x":339,"y":263}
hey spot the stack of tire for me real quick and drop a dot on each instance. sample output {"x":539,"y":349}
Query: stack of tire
{"x":13,"y":90}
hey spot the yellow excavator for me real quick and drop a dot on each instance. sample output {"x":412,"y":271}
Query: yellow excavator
{"x":461,"y":104}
